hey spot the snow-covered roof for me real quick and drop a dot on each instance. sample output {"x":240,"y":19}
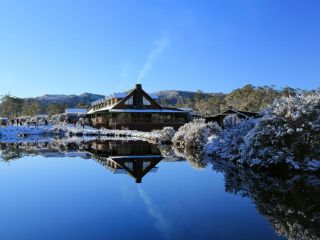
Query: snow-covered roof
{"x":103,"y":109}
{"x":110,"y":109}
{"x":146,"y":110}
{"x":119,"y":95}
{"x":76,"y":110}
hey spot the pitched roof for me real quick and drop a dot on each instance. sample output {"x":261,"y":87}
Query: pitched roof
{"x":138,"y":103}
{"x":243,"y":113}
{"x":119,"y":95}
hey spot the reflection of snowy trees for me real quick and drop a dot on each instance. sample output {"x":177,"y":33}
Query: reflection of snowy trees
{"x":10,"y":152}
{"x":193,"y":156}
{"x":291,"y":204}
{"x":48,"y":147}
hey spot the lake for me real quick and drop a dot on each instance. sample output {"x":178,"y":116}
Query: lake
{"x":103,"y":189}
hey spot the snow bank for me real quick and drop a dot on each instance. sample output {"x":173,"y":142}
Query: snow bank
{"x":70,"y":130}
{"x":13,"y":133}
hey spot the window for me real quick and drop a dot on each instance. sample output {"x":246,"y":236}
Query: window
{"x":129,"y":165}
{"x":136,"y":117}
{"x":129,"y":101}
{"x":145,"y":165}
{"x":121,"y":118}
{"x":155,"y":117}
{"x":168,"y":118}
{"x":146,"y":101}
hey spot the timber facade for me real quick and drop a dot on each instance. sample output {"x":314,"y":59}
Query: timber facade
{"x":135,"y":110}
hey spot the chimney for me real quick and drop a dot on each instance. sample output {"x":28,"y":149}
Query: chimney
{"x":138,"y":86}
{"x":137,"y":99}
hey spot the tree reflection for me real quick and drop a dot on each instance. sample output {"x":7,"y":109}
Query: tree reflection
{"x":290,"y":203}
{"x":194,"y":157}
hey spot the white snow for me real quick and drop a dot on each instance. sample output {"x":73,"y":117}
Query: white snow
{"x":286,"y":134}
{"x":146,"y":110}
{"x":76,"y":110}
{"x":14,"y":133}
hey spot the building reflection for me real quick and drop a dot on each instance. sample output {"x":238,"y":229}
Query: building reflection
{"x":135,"y":158}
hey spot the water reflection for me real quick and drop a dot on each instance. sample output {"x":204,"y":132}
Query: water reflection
{"x":290,"y":203}
{"x":135,"y":158}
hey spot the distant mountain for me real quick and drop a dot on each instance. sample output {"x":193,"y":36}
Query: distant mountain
{"x":174,"y":97}
{"x":171,"y":97}
{"x":167,"y":97}
{"x":70,"y":100}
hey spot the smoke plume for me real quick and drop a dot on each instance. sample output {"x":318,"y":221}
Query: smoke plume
{"x":160,"y":45}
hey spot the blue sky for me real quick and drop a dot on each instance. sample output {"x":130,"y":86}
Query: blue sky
{"x":71,"y":47}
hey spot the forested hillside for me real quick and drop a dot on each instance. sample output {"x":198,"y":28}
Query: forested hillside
{"x":248,"y":98}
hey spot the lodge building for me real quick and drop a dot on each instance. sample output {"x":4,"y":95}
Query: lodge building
{"x":134,"y":110}
{"x":231,"y":111}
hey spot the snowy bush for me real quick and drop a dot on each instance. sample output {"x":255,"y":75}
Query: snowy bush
{"x":230,"y":142}
{"x":231,"y":120}
{"x":195,"y":134}
{"x":288,"y":134}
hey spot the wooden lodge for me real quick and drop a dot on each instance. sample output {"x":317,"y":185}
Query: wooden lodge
{"x":231,"y":111}
{"x":134,"y":110}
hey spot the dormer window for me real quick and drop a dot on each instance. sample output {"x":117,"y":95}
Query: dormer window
{"x":129,"y":101}
{"x":146,"y":102}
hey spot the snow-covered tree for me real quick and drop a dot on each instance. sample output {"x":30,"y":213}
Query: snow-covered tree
{"x":230,"y":142}
{"x":195,"y":134}
{"x":231,"y":121}
{"x":288,"y":134}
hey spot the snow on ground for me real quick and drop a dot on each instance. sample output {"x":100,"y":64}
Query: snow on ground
{"x":15,"y":133}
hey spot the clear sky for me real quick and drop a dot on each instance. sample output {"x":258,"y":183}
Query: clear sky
{"x":76,"y":46}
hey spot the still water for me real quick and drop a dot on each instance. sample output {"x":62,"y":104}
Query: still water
{"x":134,"y":190}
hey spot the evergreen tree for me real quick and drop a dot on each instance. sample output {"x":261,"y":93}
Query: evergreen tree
{"x":31,"y":108}
{"x":56,"y":108}
{"x":10,"y":106}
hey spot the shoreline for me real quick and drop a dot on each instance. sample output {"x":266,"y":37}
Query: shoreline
{"x":16,"y":133}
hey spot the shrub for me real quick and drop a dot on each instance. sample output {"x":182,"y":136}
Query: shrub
{"x":167,"y":134}
{"x":195,"y":134}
